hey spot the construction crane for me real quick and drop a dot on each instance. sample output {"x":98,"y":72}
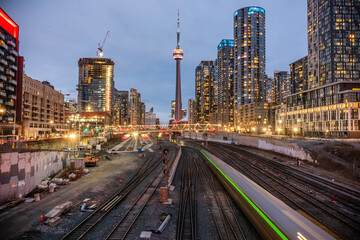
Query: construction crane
{"x":100,"y":48}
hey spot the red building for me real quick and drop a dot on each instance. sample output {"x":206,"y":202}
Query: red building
{"x":11,"y":73}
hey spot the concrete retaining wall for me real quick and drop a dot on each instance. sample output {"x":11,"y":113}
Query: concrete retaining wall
{"x":282,"y":146}
{"x":21,"y":172}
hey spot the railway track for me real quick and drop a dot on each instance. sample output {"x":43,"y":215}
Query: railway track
{"x":123,"y":227}
{"x":342,"y":224}
{"x":95,"y":217}
{"x":224,"y":218}
{"x":186,"y":224}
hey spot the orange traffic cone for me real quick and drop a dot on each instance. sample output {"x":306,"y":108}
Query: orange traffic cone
{"x":41,"y":218}
{"x":136,"y":166}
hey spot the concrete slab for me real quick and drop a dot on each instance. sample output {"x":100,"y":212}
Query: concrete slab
{"x":169,"y":202}
{"x":54,"y":221}
{"x":53,"y":213}
{"x":145,"y":234}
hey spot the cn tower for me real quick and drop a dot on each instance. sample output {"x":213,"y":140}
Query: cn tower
{"x":178,"y":56}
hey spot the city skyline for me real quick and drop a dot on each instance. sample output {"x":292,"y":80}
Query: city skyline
{"x":143,"y":58}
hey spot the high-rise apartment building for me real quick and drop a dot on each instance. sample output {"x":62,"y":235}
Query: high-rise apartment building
{"x":96,"y":85}
{"x":11,"y":73}
{"x":120,"y":113}
{"x":136,"y":108}
{"x":282,"y":86}
{"x":269,"y":92}
{"x":191,"y":111}
{"x":299,"y":75}
{"x":204,"y":91}
{"x":333,"y":41}
{"x":331,"y":104}
{"x":225,"y":82}
{"x":249,"y":53}
{"x":43,"y":109}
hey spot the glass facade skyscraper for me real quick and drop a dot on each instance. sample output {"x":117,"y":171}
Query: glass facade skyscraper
{"x":96,"y":85}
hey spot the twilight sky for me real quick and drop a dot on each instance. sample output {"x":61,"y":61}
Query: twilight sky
{"x":54,"y":34}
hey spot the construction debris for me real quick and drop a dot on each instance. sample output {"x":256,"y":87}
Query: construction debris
{"x":54,"y":221}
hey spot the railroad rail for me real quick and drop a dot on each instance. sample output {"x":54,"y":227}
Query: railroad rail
{"x":333,"y":218}
{"x":225,"y":220}
{"x":186,"y":224}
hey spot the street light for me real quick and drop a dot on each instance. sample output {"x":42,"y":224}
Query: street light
{"x":73,"y":136}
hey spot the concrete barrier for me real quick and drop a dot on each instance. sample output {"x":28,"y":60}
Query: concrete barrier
{"x":174,"y":166}
{"x":20,"y":172}
{"x":289,"y":148}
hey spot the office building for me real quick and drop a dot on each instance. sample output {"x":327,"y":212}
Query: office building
{"x":11,"y":73}
{"x":204,"y":91}
{"x":225,"y":83}
{"x":43,"y":109}
{"x":96,"y":85}
{"x":120,"y":114}
{"x":299,"y":75}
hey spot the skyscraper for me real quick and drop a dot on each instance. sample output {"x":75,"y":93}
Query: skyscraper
{"x":249,"y":53}
{"x":225,"y":82}
{"x":281,"y":86}
{"x":331,"y":104}
{"x":96,"y":85}
{"x":333,"y":41}
{"x":120,"y":115}
{"x":135,"y":107}
{"x":191,"y":111}
{"x":299,"y":75}
{"x":178,"y":56}
{"x":204,"y":91}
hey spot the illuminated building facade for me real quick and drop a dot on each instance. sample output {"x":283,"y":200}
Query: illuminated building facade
{"x":225,"y":82}
{"x":282,"y":87}
{"x":43,"y":109}
{"x":257,"y":118}
{"x":120,"y":114}
{"x":204,"y":91}
{"x":331,"y":104}
{"x":333,"y":41}
{"x":11,"y":73}
{"x":96,"y":85}
{"x":172,"y":109}
{"x":298,"y":75}
{"x":249,"y":53}
{"x":136,"y":109}
{"x":191,"y":111}
{"x":269,"y":89}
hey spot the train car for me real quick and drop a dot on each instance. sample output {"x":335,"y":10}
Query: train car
{"x":272,"y":217}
